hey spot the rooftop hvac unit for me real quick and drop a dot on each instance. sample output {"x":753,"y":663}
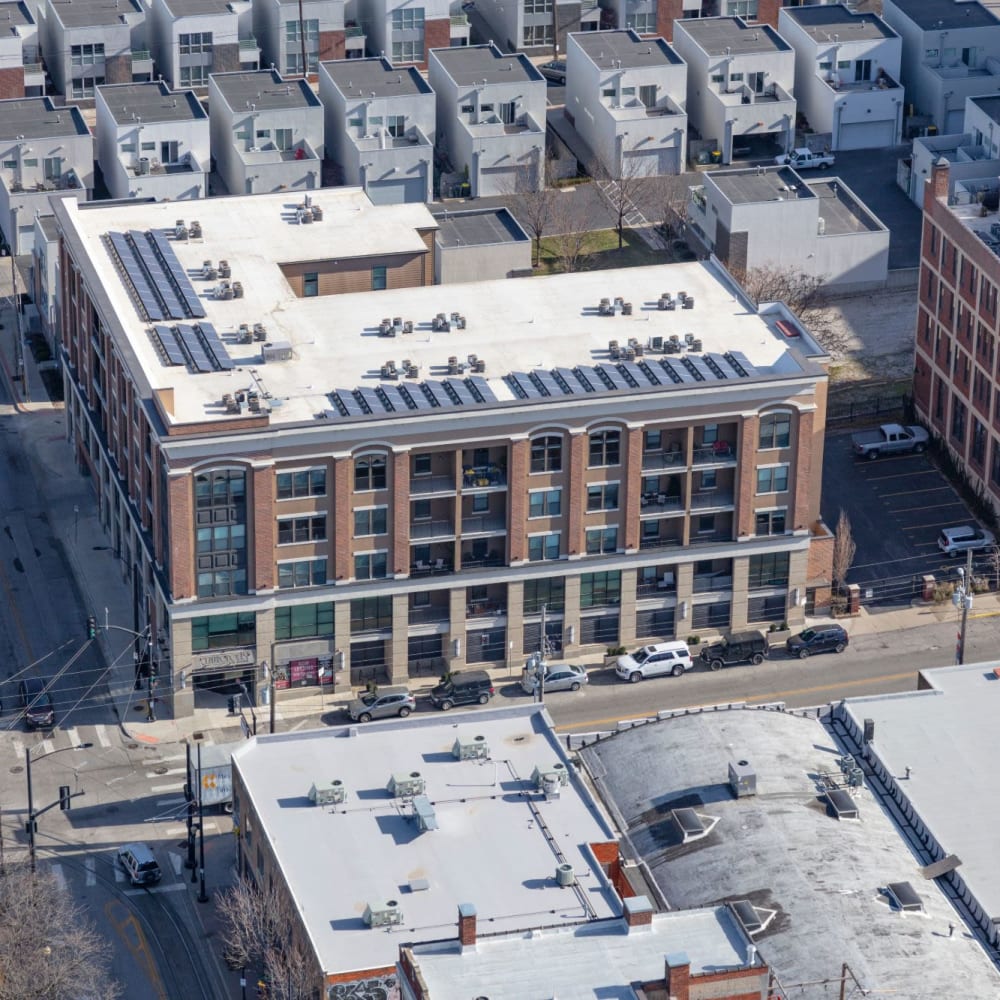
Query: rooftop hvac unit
{"x":742,"y":778}
{"x":423,"y":814}
{"x":278,"y":350}
{"x":244,"y":336}
{"x":470,"y":748}
{"x":143,"y":166}
{"x":383,"y":913}
{"x":695,"y":344}
{"x":237,"y":289}
{"x":565,"y":875}
{"x":327,"y":793}
{"x":406,"y":785}
{"x":549,"y":771}
{"x":224,"y":270}
{"x":195,"y":229}
{"x":259,"y":332}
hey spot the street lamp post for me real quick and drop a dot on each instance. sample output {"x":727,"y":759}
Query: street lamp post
{"x":63,"y":802}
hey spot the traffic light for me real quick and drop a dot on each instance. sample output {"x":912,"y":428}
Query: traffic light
{"x":64,"y":797}
{"x":91,"y":627}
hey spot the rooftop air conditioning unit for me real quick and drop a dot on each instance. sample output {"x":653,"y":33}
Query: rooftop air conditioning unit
{"x":327,"y":793}
{"x":742,"y":778}
{"x":406,"y":785}
{"x":278,"y":350}
{"x":470,"y":748}
{"x":544,"y":774}
{"x":383,"y":913}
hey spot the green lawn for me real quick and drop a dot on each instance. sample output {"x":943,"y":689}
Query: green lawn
{"x":601,"y":252}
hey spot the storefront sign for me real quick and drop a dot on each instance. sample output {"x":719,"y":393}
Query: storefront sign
{"x":304,"y":672}
{"x":223,"y":659}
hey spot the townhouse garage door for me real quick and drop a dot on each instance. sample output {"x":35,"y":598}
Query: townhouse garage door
{"x":653,"y":162}
{"x":396,"y":192}
{"x":866,"y":135}
{"x":507,"y":180}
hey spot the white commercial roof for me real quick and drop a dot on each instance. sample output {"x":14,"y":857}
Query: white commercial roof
{"x":534,"y":323}
{"x":596,"y":960}
{"x":497,"y":842}
{"x":949,"y":739}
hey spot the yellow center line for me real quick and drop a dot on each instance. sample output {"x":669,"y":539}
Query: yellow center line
{"x":771,"y":696}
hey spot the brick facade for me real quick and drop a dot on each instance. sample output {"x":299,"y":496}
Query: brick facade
{"x":182,"y":581}
{"x":264,"y":540}
{"x":517,"y":503}
{"x":331,"y":45}
{"x":343,"y":529}
{"x":11,"y":82}
{"x":400,"y":487}
{"x":437,"y":35}
{"x":767,"y":12}
{"x":118,"y":69}
{"x":226,"y":58}
{"x":668,"y":11}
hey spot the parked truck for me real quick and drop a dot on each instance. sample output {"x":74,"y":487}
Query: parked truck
{"x":805,"y":159}
{"x":889,"y":439}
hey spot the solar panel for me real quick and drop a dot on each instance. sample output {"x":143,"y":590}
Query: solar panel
{"x":589,"y":380}
{"x":742,"y":364}
{"x":158,"y":277}
{"x":351,"y":407}
{"x":417,"y":396}
{"x":164,"y":337}
{"x":460,"y":391}
{"x":136,"y":276}
{"x":389,"y":404}
{"x":192,"y":346}
{"x":546,"y":382}
{"x":651,"y":376}
{"x":531,"y":391}
{"x":719,"y":366}
{"x":436,"y":394}
{"x":698,"y":368}
{"x":479,"y":386}
{"x":400,"y":401}
{"x":339,"y":403}
{"x":177,"y":273}
{"x":573,"y":381}
{"x":676,"y":370}
{"x":370,"y":399}
{"x":215,"y":347}
{"x":611,"y":375}
{"x":633,"y":374}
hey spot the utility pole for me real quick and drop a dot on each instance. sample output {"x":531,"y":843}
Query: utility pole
{"x":270,"y":693}
{"x":202,"y":895}
{"x":540,"y":669}
{"x":302,"y":39}
{"x":190,"y":862}
{"x":962,"y":598}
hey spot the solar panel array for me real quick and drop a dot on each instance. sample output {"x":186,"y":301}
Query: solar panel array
{"x":198,"y":347}
{"x":689,"y":369}
{"x":159,"y":284}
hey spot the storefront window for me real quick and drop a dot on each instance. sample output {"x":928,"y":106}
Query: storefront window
{"x":303,"y":621}
{"x":223,"y":631}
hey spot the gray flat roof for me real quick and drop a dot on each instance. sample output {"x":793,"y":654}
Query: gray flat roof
{"x":949,"y":737}
{"x":595,"y":960}
{"x":825,"y":18}
{"x":489,"y":847}
{"x":816,"y":882}
{"x":470,"y":64}
{"x":49,"y":227}
{"x":934,"y":14}
{"x":483,"y":227}
{"x":990,"y":105}
{"x":265,"y":90}
{"x":189,"y":8}
{"x":625,"y":47}
{"x":755,"y":184}
{"x":152,"y":102}
{"x":39,"y":118}
{"x":842,"y":212}
{"x":717,"y":34}
{"x":375,"y":77}
{"x":13,"y":14}
{"x":83,"y":13}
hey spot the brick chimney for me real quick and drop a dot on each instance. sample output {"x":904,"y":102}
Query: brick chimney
{"x":638,"y":913}
{"x":939,"y":179}
{"x":678,"y":976}
{"x":466,"y":925}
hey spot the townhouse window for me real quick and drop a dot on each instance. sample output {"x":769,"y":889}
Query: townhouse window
{"x":371,"y":565}
{"x":303,"y":621}
{"x":642,"y":24}
{"x":770,"y":569}
{"x":747,"y":9}
{"x":355,"y":122}
{"x":545,"y":503}
{"x":543,"y":547}
{"x":736,"y":77}
{"x":302,"y":483}
{"x":223,"y":631}
{"x":379,"y":278}
{"x":283,"y":139}
{"x":605,"y":449}
{"x":826,"y":64}
{"x":775,"y":430}
{"x":421,"y":510}
{"x":84,"y":86}
{"x":301,"y":573}
{"x":369,"y":473}
{"x":772,"y":479}
{"x":87,"y":55}
{"x":718,"y":78}
{"x":978,"y":449}
{"x":610,"y":92}
{"x":600,"y":590}
{"x":220,"y":532}
{"x":957,"y":419}
{"x":537,"y":6}
{"x":602,"y":540}
{"x":408,"y":19}
{"x":422,"y":464}
{"x":546,"y":454}
{"x":468,"y":109}
{"x":295,"y":530}
{"x":371,"y":614}
{"x":194,"y":76}
{"x":770,"y":522}
{"x":652,"y":440}
{"x":310,"y":284}
{"x":371,"y":521}
{"x":310,"y":30}
{"x":602,"y":496}
{"x":538,"y":34}
{"x":844,"y":64}
{"x":549,"y":592}
{"x":194,"y":42}
{"x":395,"y":125}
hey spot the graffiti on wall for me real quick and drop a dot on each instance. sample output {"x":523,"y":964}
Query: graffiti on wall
{"x":378,"y":988}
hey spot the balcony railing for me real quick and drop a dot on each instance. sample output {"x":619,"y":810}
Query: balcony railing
{"x":141,"y":55}
{"x":33,"y":68}
{"x":432,"y":613}
{"x":248,"y":44}
{"x":485,"y":609}
{"x":435,"y":566}
{"x":711,"y":498}
{"x":432,"y":529}
{"x":459,"y":21}
{"x":720,"y":453}
{"x":660,"y":542}
{"x":656,"y":588}
{"x":710,"y":537}
{"x":353,"y":31}
{"x":422,"y":485}
{"x":708,"y":584}
{"x":482,"y":524}
{"x":483,"y":477}
{"x":492,"y":558}
{"x":650,"y":503}
{"x":663,"y":459}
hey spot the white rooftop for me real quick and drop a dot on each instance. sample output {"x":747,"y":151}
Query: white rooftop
{"x":596,"y":960}
{"x":538,"y":322}
{"x":950,"y":738}
{"x":490,"y":848}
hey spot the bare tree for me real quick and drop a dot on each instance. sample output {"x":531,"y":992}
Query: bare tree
{"x":535,"y":210}
{"x":844,"y":548}
{"x":798,"y":290}
{"x":620,"y":188}
{"x":49,"y":950}
{"x":571,"y":232}
{"x":256,"y":932}
{"x":669,"y":194}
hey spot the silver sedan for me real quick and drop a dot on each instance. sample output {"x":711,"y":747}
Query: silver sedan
{"x":558,"y":677}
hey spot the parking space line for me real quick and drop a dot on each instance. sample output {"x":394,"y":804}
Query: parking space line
{"x":937,"y":524}
{"x":910,"y":493}
{"x":902,"y":475}
{"x":931,"y":506}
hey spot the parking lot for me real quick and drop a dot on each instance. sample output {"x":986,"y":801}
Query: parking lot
{"x":897,"y":506}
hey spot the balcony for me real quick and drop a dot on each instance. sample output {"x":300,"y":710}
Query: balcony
{"x":658,"y":504}
{"x":670,"y":458}
{"x":721,"y":453}
{"x":354,"y":39}
{"x":426,"y":530}
{"x":430,"y":485}
{"x":249,"y":52}
{"x":476,"y":478}
{"x":483,"y":524}
{"x":435,"y":564}
{"x":712,"y":500}
{"x":661,"y":541}
{"x":486,"y":607}
{"x":712,"y":582}
{"x":34,"y":74}
{"x":481,"y":557}
{"x":429,"y":614}
{"x":663,"y":584}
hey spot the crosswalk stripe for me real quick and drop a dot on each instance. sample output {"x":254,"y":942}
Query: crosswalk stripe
{"x":175,"y":787}
{"x":177,"y":861}
{"x":18,"y":747}
{"x":171,"y":887}
{"x":163,"y":774}
{"x":89,"y":864}
{"x":176,"y":756}
{"x":74,"y":737}
{"x":59,"y":876}
{"x":47,"y":746}
{"x":175,"y":831}
{"x":102,"y":735}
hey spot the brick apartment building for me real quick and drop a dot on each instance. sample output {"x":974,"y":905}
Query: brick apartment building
{"x":407,"y":477}
{"x":955,"y":381}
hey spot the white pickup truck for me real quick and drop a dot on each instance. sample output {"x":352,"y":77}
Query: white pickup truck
{"x":889,"y":439}
{"x":805,"y":159}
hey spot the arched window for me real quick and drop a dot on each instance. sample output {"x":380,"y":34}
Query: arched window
{"x":775,"y":430}
{"x":546,"y":454}
{"x":369,"y":473}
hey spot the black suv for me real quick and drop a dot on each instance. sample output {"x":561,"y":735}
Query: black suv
{"x":36,"y":703}
{"x":464,"y":687}
{"x":821,"y":639}
{"x":740,"y":647}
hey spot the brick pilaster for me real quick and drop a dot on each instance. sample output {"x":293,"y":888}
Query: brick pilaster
{"x":456,"y":629}
{"x":343,"y":527}
{"x":331,"y":45}
{"x":342,"y":636}
{"x":576,"y":455}
{"x":802,"y":471}
{"x":262,"y":570}
{"x":437,"y":35}
{"x":668,"y":11}
{"x":678,"y":977}
{"x":398,"y":646}
{"x":632,"y":485}
{"x":626,"y":607}
{"x":11,"y":82}
{"x":746,"y":477}
{"x":400,"y":488}
{"x":767,"y":12}
{"x":181,"y":520}
{"x":517,"y":500}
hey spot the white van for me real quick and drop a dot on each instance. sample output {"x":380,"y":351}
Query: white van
{"x":654,"y":661}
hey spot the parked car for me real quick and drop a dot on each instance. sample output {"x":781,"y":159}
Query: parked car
{"x":740,"y":647}
{"x":36,"y":703}
{"x":139,"y":863}
{"x":653,"y":661}
{"x":382,"y":704}
{"x":821,"y":639}
{"x":558,"y":677}
{"x":951,"y":541}
{"x":805,"y":159}
{"x":463,"y":687}
{"x":554,"y":71}
{"x":889,"y":439}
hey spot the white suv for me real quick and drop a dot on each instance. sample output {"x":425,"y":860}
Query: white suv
{"x":654,"y":661}
{"x":951,"y":541}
